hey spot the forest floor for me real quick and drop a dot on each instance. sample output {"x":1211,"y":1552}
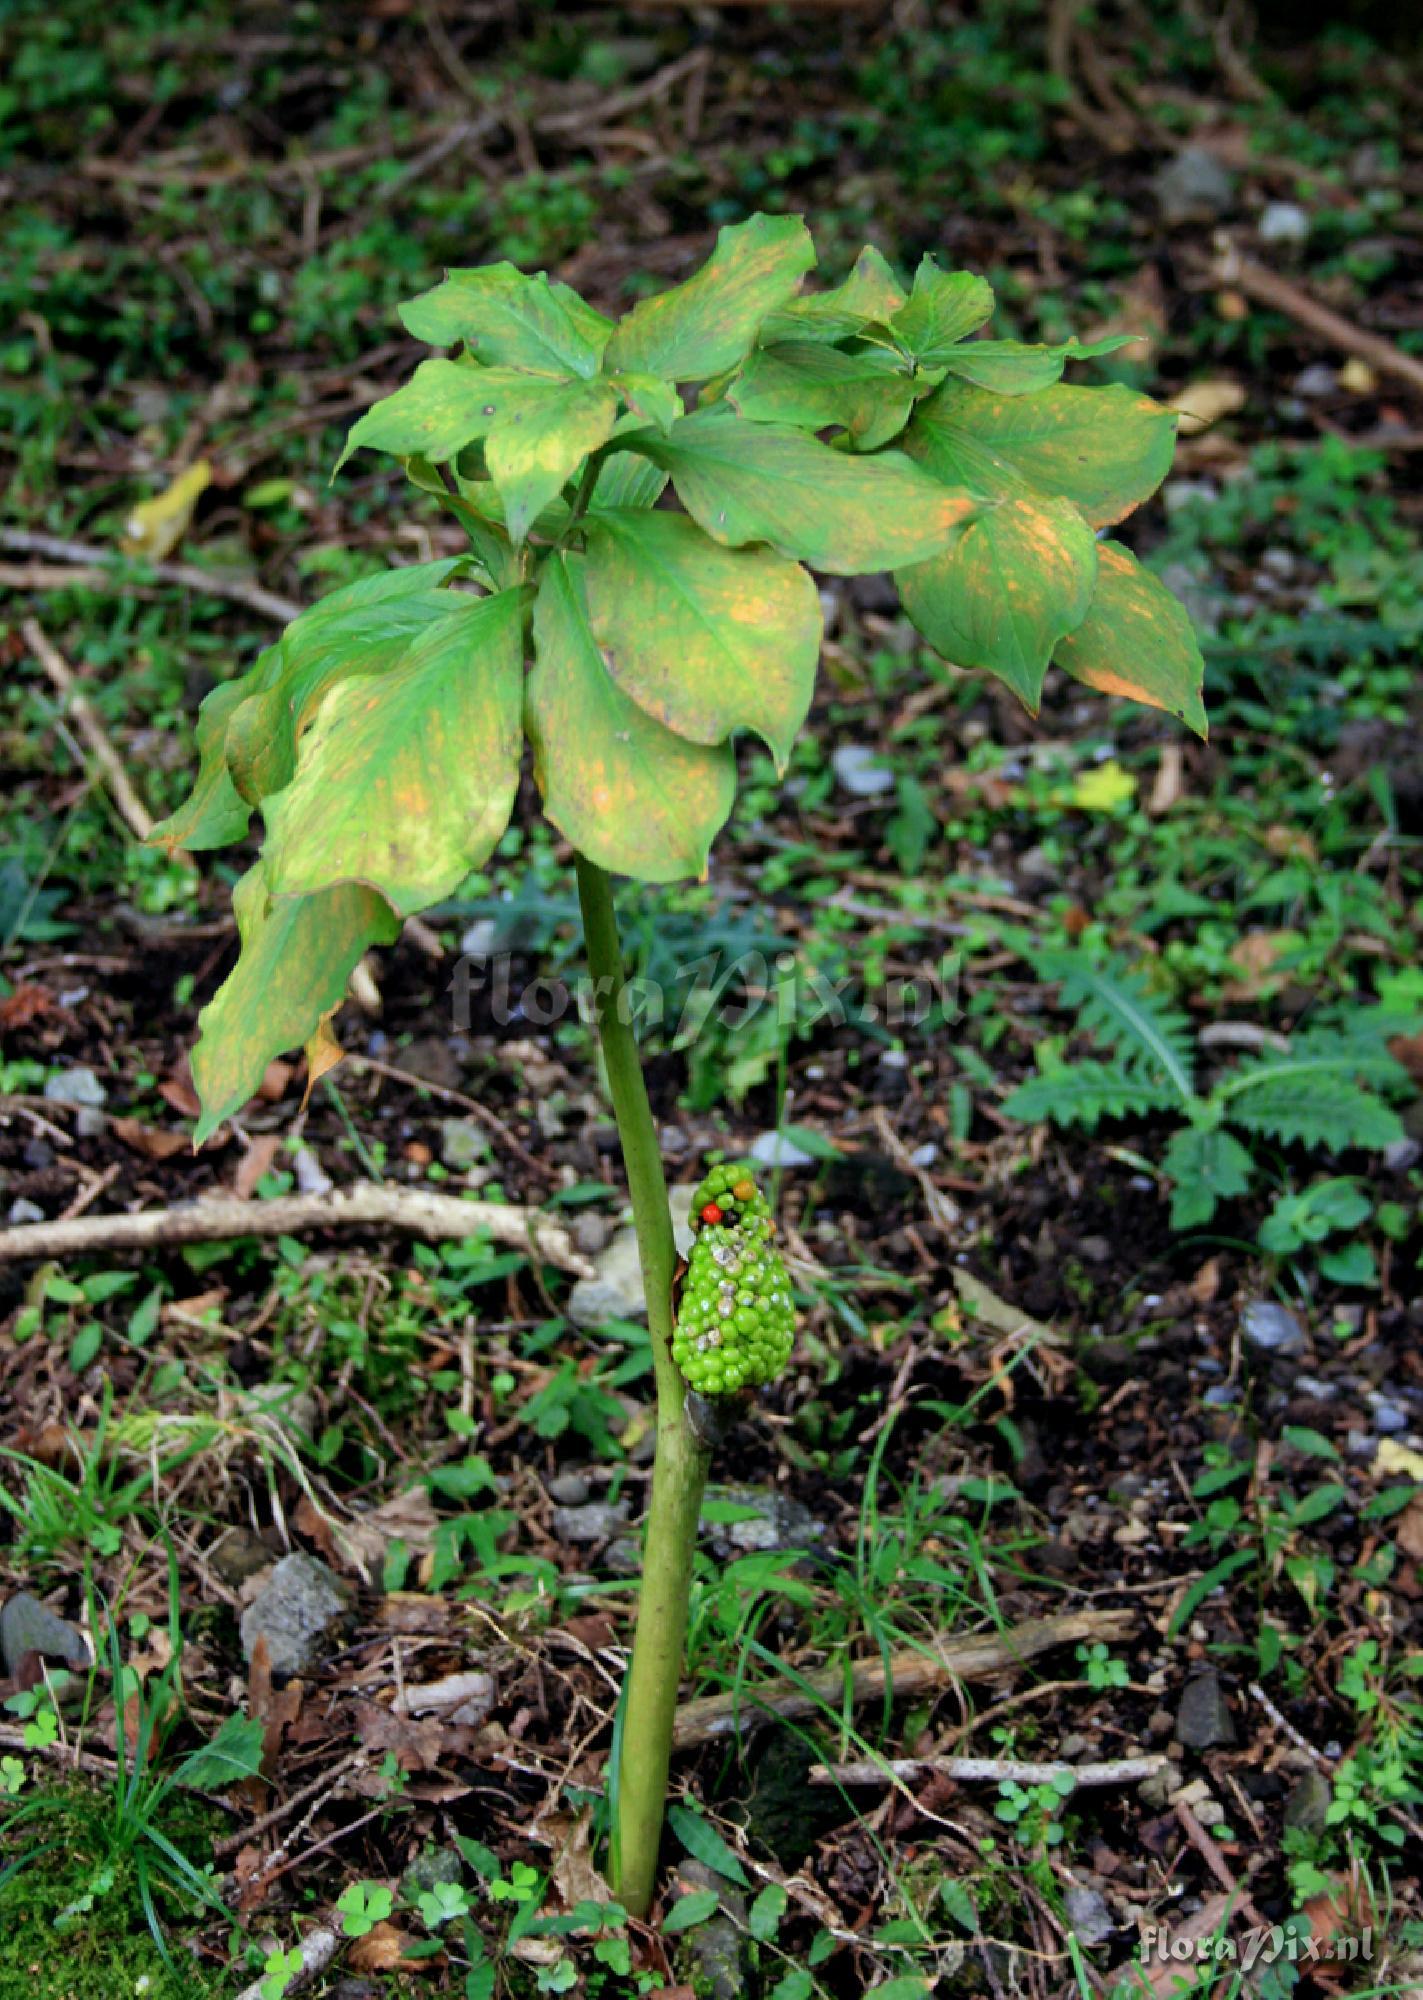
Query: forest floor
{"x":1020,"y":1393}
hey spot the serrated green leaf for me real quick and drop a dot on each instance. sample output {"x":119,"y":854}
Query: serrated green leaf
{"x":1208,"y":1167}
{"x":538,"y":445}
{"x":699,"y":328}
{"x":1105,"y":450}
{"x":943,"y":308}
{"x":706,"y":640}
{"x":1136,"y":641}
{"x":508,"y":318}
{"x":802,"y":382}
{"x":689,"y":1910}
{"x":443,"y":407}
{"x":746,"y":482}
{"x":233,"y":1754}
{"x":1013,"y":368}
{"x":870,"y":294}
{"x":1083,"y":1093}
{"x":1013,"y":581}
{"x":705,"y":1844}
{"x":405,"y":781}
{"x":626,"y":791}
{"x":297,"y":954}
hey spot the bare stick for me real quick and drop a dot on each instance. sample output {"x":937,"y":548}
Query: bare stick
{"x":912,"y":1672}
{"x":438,"y":1218}
{"x":1268,"y":288}
{"x":136,"y":816}
{"x":984,"y":1771}
{"x":318,"y":1948}
{"x":96,"y":562}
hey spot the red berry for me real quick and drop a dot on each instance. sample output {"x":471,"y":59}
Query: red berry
{"x":711,"y":1213}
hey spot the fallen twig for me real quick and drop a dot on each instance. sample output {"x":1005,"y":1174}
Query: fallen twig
{"x":96,"y":563}
{"x":911,"y":1672}
{"x":984,"y":1771}
{"x":1268,"y":288}
{"x":318,"y":1948}
{"x":438,"y":1218}
{"x":136,"y":816}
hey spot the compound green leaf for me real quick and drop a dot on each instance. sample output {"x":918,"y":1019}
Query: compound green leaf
{"x":363,"y":630}
{"x":504,"y":316}
{"x":628,"y":793}
{"x":870,"y":294}
{"x":697,"y":329}
{"x":1013,"y":580}
{"x":443,"y":407}
{"x":538,"y":444}
{"x":1136,"y":640}
{"x":943,"y":309}
{"x":705,"y":639}
{"x":1105,"y":450}
{"x":405,"y":780}
{"x":297,"y":954}
{"x":1011,"y":368}
{"x":810,"y":383}
{"x":214,"y":812}
{"x":746,"y":482}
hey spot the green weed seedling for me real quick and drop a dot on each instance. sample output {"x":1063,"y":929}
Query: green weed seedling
{"x":629,"y":642}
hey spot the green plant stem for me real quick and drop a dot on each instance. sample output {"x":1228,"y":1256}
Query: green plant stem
{"x":679,"y":1470}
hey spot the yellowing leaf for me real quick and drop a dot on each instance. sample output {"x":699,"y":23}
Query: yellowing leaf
{"x":807,"y":382}
{"x":1136,"y":640}
{"x":628,"y":793}
{"x":706,"y":640}
{"x":297,"y":954}
{"x":155,"y":527}
{"x":698,"y":329}
{"x":443,"y":407}
{"x":406,"y":779}
{"x":512,"y":320}
{"x":1393,"y":1458}
{"x":538,"y":445}
{"x":1104,"y":788}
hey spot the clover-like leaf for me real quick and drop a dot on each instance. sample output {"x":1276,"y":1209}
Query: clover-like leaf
{"x":746,"y":482}
{"x":631,"y":795}
{"x":1105,"y":450}
{"x":705,"y":639}
{"x":870,"y":294}
{"x":943,"y":309}
{"x":698,"y":329}
{"x":1012,"y":581}
{"x":504,"y":316}
{"x":1136,"y":640}
{"x":297,"y":954}
{"x":869,"y":393}
{"x":406,"y":779}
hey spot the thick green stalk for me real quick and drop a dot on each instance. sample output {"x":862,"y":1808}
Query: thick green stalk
{"x":679,"y":1470}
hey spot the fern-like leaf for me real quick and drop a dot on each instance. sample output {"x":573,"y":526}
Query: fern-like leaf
{"x":1116,"y":1003}
{"x":1084,"y":1093}
{"x":1323,"y":1091}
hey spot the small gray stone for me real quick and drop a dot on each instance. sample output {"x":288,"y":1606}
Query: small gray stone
{"x":569,"y":1489}
{"x":27,"y":1626}
{"x":596,"y":1521}
{"x":1193,"y":187}
{"x":88,"y":1122}
{"x":779,"y":1521}
{"x":1204,"y":1720}
{"x":1402,"y":1154}
{"x":860,"y":771}
{"x":623,"y":1557}
{"x":296,"y":1612}
{"x":1389,"y":1419}
{"x":479,"y":940}
{"x":774,"y":1149}
{"x":75,"y":1086}
{"x":1319,"y":379}
{"x":1310,"y":1799}
{"x":1088,"y":1915}
{"x":23,"y":1210}
{"x":925,"y":1155}
{"x":592,"y":1233}
{"x":1272,"y":1328}
{"x":1316,"y":1388}
{"x":715,"y":1952}
{"x":1221,"y":1395}
{"x":615,"y":1289}
{"x":311,"y":1176}
{"x":463,"y":1144}
{"x":429,"y":1871}
{"x":1284,"y":222}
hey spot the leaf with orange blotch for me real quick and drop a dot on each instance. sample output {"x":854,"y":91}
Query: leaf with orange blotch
{"x":1136,"y":640}
{"x":1012,"y":582}
{"x":704,"y":326}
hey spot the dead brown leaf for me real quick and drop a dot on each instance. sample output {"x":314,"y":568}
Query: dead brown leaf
{"x":178,"y":1093}
{"x":380,"y":1950}
{"x":1409,"y":1530}
{"x":154,"y":1142}
{"x":1408,"y":1049}
{"x":255,"y":1162}
{"x":29,"y":1002}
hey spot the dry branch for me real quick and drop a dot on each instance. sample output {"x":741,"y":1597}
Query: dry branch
{"x":912,"y":1672}
{"x":984,"y":1771}
{"x":135,"y":813}
{"x":318,"y":1948}
{"x":1268,"y":288}
{"x":438,"y":1218}
{"x":95,"y":563}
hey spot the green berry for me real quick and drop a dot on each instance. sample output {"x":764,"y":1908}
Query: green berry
{"x":735,"y":1321}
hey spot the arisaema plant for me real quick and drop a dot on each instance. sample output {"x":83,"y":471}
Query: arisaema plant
{"x":645,"y":502}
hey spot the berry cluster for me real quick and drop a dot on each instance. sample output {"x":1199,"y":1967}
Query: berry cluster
{"x":735,"y":1321}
